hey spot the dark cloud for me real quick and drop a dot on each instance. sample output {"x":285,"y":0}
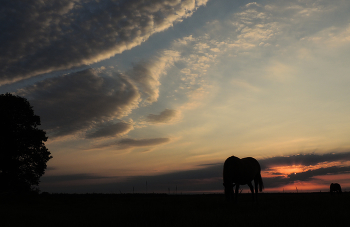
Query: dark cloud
{"x":307,"y":175}
{"x":202,"y":179}
{"x":304,"y":159}
{"x":115,"y":130}
{"x":128,"y":143}
{"x":209,"y":178}
{"x":44,"y":36}
{"x":210,"y":164}
{"x":133,"y":143}
{"x":79,"y":100}
{"x":85,"y":98}
{"x":165,"y":116}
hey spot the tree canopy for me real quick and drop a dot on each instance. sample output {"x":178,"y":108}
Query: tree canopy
{"x":23,"y":155}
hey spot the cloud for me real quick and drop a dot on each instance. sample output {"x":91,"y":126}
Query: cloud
{"x":304,"y":159}
{"x":40,"y":37}
{"x":331,"y":37}
{"x":308,"y":175}
{"x":196,"y":57}
{"x":115,"y":130}
{"x":74,"y":102}
{"x":186,"y":181}
{"x":195,"y":180}
{"x":89,"y":98}
{"x":130,"y":143}
{"x":166,"y":116}
{"x":147,"y":74}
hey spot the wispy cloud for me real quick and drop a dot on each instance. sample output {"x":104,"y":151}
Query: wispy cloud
{"x":310,"y":174}
{"x":111,"y":130}
{"x":147,"y":74}
{"x":130,"y":143}
{"x":166,"y":116}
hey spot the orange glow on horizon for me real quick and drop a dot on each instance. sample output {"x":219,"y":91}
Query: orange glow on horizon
{"x":283,"y":170}
{"x":314,"y":184}
{"x":290,"y":169}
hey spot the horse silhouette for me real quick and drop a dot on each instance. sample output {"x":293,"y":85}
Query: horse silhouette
{"x":240,"y":172}
{"x":335,"y":187}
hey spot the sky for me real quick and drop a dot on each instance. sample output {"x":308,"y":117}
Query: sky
{"x":153,"y":96}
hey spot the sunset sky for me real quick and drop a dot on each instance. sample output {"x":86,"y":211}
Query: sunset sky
{"x":155,"y":95}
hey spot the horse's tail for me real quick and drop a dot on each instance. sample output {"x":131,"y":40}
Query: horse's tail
{"x":261,"y":184}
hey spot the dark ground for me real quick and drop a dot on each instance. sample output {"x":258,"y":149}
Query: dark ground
{"x":282,"y":209}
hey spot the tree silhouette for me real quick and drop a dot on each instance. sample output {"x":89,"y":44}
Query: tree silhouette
{"x":23,"y":155}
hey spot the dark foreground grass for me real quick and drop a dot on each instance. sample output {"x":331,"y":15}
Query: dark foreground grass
{"x":309,"y":209}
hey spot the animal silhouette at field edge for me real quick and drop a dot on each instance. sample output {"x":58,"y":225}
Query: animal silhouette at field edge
{"x":335,"y":187}
{"x":238,"y":172}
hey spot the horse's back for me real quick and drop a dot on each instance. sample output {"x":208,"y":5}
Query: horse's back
{"x":251,"y":163}
{"x":250,"y":168}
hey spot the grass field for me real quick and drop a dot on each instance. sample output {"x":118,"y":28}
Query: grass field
{"x":283,"y":209}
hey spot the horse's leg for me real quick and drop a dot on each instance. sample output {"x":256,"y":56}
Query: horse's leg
{"x":251,"y":189}
{"x":232,"y":197}
{"x":256,"y":184}
{"x":237,"y":188}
